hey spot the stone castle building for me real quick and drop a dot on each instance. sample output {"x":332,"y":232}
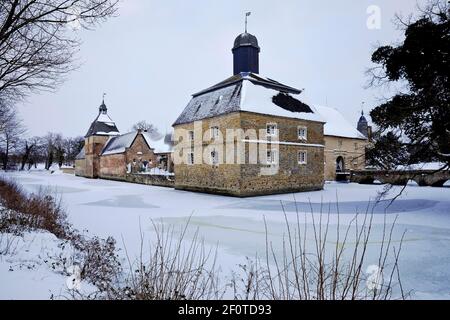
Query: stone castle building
{"x":108,"y":154}
{"x":312,"y":143}
{"x":290,"y":133}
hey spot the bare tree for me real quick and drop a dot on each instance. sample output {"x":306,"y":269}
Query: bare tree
{"x":37,"y":47}
{"x":11,"y":131}
{"x":50,"y":145}
{"x":149,"y":128}
{"x":72,"y":147}
{"x":27,"y":150}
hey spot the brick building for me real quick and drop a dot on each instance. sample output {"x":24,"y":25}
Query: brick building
{"x":108,"y":154}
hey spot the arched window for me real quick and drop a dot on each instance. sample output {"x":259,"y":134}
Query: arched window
{"x":340,"y":165}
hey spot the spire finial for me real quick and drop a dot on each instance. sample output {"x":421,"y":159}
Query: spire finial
{"x":362,"y":108}
{"x":103,"y":108}
{"x":247,"y":14}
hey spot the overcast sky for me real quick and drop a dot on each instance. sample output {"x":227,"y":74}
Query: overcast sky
{"x":151,"y":58}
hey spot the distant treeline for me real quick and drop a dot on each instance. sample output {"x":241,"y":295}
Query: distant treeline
{"x":18,"y":151}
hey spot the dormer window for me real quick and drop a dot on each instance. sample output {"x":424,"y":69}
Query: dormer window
{"x":302,"y":133}
{"x":271,"y":129}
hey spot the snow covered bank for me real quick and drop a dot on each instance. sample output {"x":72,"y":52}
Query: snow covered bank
{"x":36,"y":266}
{"x":236,"y":225}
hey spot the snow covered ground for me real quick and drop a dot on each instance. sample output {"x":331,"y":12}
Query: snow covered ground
{"x":118,"y":209}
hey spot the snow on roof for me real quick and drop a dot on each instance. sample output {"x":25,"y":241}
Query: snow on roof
{"x":158,"y":145}
{"x":103,"y":117}
{"x":259,"y":99}
{"x":336,"y":125}
{"x":118,"y":144}
{"x":247,"y":92}
{"x":103,"y":125}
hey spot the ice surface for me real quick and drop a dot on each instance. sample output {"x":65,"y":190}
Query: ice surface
{"x":237,"y":225}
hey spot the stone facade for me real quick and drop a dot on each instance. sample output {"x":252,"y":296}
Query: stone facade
{"x":246,"y":177}
{"x":150,"y":180}
{"x":351,"y":151}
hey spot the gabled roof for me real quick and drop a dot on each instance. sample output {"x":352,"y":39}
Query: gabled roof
{"x":336,"y":125}
{"x":119,"y":144}
{"x":247,"y":92}
{"x":102,"y":126}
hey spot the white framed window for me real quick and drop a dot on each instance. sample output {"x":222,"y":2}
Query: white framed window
{"x":214,"y":158}
{"x":190,"y":159}
{"x":191,"y":135}
{"x":271,"y":130}
{"x":302,"y":157}
{"x":272,"y":157}
{"x":302,"y":133}
{"x":215,"y":132}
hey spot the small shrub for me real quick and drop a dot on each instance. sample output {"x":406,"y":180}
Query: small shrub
{"x":22,"y":211}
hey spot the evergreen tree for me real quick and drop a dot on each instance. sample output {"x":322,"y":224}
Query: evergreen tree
{"x":414,"y":126}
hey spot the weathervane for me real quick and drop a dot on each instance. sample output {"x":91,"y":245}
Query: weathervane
{"x":247,"y":14}
{"x":104,"y":95}
{"x":362,"y":108}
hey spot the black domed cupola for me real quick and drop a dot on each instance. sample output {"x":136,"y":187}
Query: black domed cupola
{"x":246,"y":52}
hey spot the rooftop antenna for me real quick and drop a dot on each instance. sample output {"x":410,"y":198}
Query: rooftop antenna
{"x":247,"y":14}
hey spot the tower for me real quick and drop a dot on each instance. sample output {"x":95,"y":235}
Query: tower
{"x":101,"y":129}
{"x":363,"y":125}
{"x":246,"y":52}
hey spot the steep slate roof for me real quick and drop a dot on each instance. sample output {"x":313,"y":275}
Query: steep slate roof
{"x":336,"y":125}
{"x":247,"y":92}
{"x":119,"y":144}
{"x":102,"y":126}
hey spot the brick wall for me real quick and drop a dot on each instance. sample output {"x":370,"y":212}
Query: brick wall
{"x":113,"y":165}
{"x":139,"y":150}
